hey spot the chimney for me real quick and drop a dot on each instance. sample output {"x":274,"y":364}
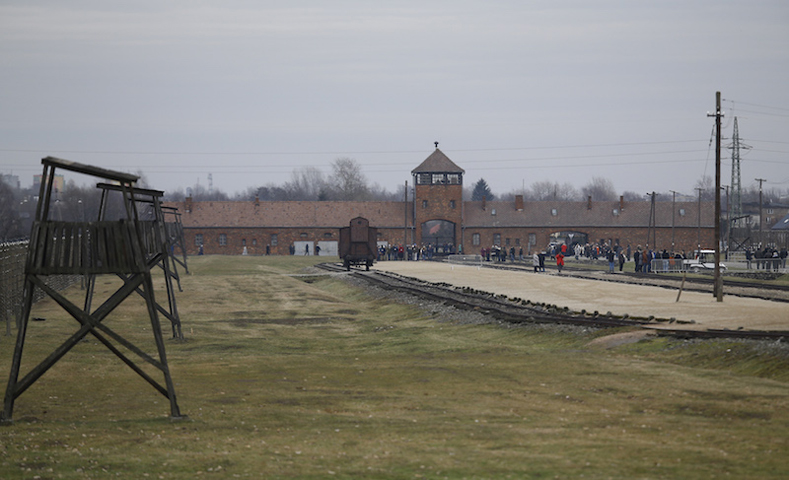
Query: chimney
{"x":484,"y":202}
{"x":589,"y":202}
{"x":188,"y":204}
{"x":621,"y":202}
{"x":257,"y":200}
{"x":519,"y":203}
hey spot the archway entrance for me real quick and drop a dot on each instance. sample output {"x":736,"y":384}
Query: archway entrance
{"x":439,"y":233}
{"x":569,"y":238}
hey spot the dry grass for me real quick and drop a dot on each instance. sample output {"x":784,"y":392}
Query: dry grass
{"x":290,"y":376}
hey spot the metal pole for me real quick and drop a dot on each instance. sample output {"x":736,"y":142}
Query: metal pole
{"x":760,"y":180}
{"x":718,"y":288}
{"x":728,"y":223}
{"x":698,"y":234}
{"x":673,"y":212}
{"x":405,"y":219}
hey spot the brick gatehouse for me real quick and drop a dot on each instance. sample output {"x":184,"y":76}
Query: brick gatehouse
{"x":438,"y":215}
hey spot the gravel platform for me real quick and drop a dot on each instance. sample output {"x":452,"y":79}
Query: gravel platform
{"x":617,"y":296}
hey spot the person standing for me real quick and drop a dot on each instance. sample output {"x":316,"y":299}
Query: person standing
{"x":611,"y":257}
{"x":621,"y":260}
{"x":559,"y":260}
{"x":535,"y":261}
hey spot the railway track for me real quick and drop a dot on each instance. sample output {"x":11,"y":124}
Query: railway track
{"x":731,"y":286}
{"x":519,"y":311}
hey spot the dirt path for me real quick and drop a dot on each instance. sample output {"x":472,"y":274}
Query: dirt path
{"x":579,"y":294}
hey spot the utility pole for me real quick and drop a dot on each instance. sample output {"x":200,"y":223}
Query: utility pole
{"x":760,"y":180}
{"x":698,"y":230}
{"x":405,"y":216}
{"x":728,"y":223}
{"x":651,"y":218}
{"x":718,"y":288}
{"x":673,"y":213}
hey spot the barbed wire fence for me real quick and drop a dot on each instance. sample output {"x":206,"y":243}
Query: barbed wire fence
{"x":12,"y":281}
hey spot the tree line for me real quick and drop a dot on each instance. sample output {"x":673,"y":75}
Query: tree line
{"x":345,"y":182}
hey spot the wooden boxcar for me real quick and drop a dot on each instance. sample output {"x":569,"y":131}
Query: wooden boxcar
{"x":358,"y":243}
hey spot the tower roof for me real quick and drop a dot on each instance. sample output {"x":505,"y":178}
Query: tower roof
{"x":438,"y":162}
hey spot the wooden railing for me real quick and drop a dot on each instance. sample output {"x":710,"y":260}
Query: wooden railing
{"x":64,"y":248}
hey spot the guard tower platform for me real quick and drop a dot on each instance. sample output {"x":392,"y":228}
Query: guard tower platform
{"x":89,"y":249}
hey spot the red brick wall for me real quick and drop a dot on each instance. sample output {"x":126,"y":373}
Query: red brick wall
{"x":684,"y":238}
{"x":439,"y":207}
{"x":258,"y":238}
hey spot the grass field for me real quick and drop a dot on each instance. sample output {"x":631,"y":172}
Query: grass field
{"x":291,"y":376}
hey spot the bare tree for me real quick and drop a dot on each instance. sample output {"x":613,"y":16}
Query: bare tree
{"x":10,"y":224}
{"x":307,"y":183}
{"x":630,"y":196}
{"x":707,"y":185}
{"x":347,"y":182}
{"x":600,"y":189}
{"x":547,"y":190}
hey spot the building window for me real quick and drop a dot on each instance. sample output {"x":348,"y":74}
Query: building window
{"x":453,"y":178}
{"x":327,"y":235}
{"x":532,"y":239}
{"x":424,"y":203}
{"x":517,"y":241}
{"x":475,"y":239}
{"x":438,"y":178}
{"x":496,"y":239}
{"x":198,"y":239}
{"x":769,"y":211}
{"x":303,"y":235}
{"x":451,"y":204}
{"x":243,"y":242}
{"x":681,"y":212}
{"x":254,"y":241}
{"x":273,"y":239}
{"x":554,"y":212}
{"x":222,"y":239}
{"x":507,"y":241}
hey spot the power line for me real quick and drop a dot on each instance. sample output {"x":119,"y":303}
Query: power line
{"x":337,"y":152}
{"x":734,"y":102}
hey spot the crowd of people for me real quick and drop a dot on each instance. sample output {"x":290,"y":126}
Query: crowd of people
{"x":393,"y":252}
{"x":616,"y":256}
{"x":766,"y":259}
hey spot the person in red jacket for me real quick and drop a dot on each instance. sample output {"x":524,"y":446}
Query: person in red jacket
{"x":559,"y":260}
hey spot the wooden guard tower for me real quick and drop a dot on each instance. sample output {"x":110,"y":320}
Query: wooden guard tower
{"x":88,"y":249}
{"x":175,"y":233}
{"x":156,"y":247}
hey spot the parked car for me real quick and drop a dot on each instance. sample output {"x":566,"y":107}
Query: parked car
{"x":704,"y":261}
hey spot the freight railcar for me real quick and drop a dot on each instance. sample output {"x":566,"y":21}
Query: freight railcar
{"x":358,"y":243}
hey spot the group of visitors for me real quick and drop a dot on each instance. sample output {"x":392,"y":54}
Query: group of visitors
{"x":498,"y":254}
{"x":398,"y":252}
{"x":766,"y":259}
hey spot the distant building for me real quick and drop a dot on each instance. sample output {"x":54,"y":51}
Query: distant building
{"x":11,"y":180}
{"x":59,"y":183}
{"x":438,"y":216}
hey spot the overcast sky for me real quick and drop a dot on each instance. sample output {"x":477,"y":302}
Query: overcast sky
{"x":514,"y":91}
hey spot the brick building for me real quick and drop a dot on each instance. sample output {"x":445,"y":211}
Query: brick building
{"x":438,"y":215}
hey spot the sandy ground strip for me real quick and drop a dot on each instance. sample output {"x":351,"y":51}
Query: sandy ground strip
{"x":618,"y":298}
